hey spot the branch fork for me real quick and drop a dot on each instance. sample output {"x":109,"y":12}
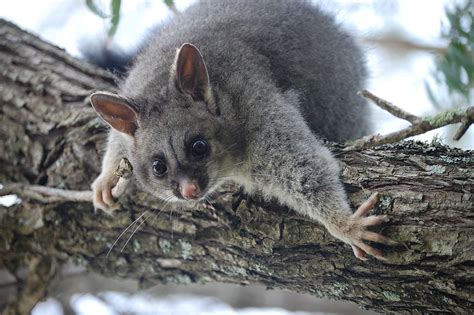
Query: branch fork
{"x":419,"y":125}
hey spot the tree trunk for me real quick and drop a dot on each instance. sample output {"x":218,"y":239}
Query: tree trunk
{"x":51,"y":136}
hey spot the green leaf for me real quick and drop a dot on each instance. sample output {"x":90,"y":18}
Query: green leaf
{"x":459,"y":57}
{"x":169,"y":3}
{"x":95,"y":9}
{"x":115,"y":8}
{"x":457,"y":64}
{"x":431,"y":95}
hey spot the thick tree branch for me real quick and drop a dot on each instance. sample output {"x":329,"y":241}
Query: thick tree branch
{"x":50,"y":137}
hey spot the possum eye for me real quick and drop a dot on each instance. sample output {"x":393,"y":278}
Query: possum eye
{"x":199,"y":147}
{"x":159,"y":168}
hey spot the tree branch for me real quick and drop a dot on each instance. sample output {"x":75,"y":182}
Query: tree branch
{"x":46,"y":194}
{"x":418,"y":126}
{"x":389,"y":107}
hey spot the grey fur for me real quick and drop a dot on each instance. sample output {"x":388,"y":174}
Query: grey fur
{"x":283,"y":74}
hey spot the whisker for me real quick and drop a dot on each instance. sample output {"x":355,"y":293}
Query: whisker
{"x":223,"y":176}
{"x":222,"y":170}
{"x":266,"y":175}
{"x":171,"y":223}
{"x":166,"y":201}
{"x":156,"y":217}
{"x":226,"y":149}
{"x":209,"y":200}
{"x":158,"y":184}
{"x":136,"y":229}
{"x":123,"y":232}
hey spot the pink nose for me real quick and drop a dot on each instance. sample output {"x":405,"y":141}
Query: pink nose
{"x":189,"y":189}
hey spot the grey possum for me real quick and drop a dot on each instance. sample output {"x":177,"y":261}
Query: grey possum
{"x":243,"y":91}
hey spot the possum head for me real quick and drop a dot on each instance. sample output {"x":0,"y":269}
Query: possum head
{"x":176,"y":141}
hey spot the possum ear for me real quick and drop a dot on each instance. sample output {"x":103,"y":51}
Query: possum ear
{"x":116,"y":111}
{"x":191,"y":74}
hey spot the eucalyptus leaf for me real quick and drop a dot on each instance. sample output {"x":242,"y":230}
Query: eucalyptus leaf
{"x":169,"y":3}
{"x":95,"y":9}
{"x":115,"y":8}
{"x":457,"y":64}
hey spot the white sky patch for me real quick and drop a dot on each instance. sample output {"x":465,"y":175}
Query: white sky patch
{"x":176,"y":304}
{"x":87,"y":304}
{"x":49,"y":306}
{"x":422,"y":18}
{"x":9,"y":200}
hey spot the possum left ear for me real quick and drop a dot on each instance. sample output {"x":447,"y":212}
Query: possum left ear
{"x":116,"y":111}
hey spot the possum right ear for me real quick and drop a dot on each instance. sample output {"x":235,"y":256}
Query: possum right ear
{"x":116,"y":111}
{"x":192,"y":76}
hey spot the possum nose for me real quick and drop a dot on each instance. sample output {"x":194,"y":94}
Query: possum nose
{"x":189,"y":189}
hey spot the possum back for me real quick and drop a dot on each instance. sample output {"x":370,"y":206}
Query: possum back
{"x":302,"y":48}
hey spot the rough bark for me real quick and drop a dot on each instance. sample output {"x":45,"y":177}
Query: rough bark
{"x":50,"y":136}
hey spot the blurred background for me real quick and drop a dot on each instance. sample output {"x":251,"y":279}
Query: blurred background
{"x":419,"y":55}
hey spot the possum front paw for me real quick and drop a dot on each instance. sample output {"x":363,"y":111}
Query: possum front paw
{"x":102,"y":193}
{"x":354,"y":231}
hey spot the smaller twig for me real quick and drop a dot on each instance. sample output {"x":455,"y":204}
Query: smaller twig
{"x":418,"y":126}
{"x":46,"y":194}
{"x":124,"y":173}
{"x":465,"y":123}
{"x":389,"y":107}
{"x":399,"y":42}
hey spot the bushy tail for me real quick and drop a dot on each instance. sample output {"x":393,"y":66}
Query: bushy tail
{"x":114,"y":60}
